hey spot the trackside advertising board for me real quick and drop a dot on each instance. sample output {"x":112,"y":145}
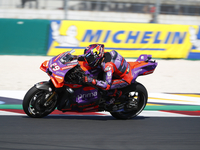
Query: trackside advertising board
{"x":129,"y":39}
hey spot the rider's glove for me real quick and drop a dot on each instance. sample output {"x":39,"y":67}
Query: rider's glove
{"x":88,"y":79}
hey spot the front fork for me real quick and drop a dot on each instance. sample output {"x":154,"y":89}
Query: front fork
{"x":46,"y":86}
{"x":46,"y":102}
{"x":64,"y":93}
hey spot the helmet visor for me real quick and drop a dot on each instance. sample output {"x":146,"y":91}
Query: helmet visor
{"x":90,"y":59}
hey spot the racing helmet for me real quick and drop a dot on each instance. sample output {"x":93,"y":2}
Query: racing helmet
{"x":93,"y":54}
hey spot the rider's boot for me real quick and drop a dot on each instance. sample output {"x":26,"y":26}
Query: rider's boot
{"x":117,"y":95}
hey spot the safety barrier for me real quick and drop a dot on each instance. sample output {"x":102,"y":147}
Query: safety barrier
{"x":23,"y":36}
{"x":52,"y":37}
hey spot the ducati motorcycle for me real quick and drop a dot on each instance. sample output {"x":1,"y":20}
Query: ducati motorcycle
{"x":66,"y":91}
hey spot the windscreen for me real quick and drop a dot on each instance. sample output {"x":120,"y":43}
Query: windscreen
{"x":67,"y":57}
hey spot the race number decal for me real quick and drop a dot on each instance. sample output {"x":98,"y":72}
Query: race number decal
{"x":55,"y":67}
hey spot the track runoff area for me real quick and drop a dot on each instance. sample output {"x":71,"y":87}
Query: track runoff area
{"x":159,"y":105}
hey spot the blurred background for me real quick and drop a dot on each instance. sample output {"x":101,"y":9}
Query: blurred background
{"x":165,"y":29}
{"x":140,"y":11}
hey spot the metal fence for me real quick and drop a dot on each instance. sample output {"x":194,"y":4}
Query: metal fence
{"x":154,"y":7}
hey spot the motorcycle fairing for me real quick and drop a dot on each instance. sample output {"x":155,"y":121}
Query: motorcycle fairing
{"x":58,"y":66}
{"x":85,"y":99}
{"x":143,"y":66}
{"x":86,"y":94}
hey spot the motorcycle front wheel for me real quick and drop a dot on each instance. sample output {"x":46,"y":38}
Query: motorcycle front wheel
{"x":39,"y":103}
{"x":141,"y":95}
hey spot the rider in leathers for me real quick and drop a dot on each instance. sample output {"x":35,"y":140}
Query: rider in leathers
{"x":117,"y":73}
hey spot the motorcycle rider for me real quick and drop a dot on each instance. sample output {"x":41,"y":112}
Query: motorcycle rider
{"x":117,"y":73}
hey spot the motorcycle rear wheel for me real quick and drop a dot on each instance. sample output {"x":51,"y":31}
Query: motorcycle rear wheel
{"x":32,"y":103}
{"x":142,"y":97}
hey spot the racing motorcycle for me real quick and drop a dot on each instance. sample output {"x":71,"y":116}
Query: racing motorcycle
{"x":66,"y":91}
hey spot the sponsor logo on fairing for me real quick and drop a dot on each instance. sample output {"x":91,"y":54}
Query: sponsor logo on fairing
{"x":68,"y":67}
{"x":109,"y":74}
{"x":60,"y":73}
{"x":71,"y":64}
{"x":88,"y":95}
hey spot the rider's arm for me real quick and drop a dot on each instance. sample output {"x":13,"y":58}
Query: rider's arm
{"x":81,"y":58}
{"x":108,"y":73}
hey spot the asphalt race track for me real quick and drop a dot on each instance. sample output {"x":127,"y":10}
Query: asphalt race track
{"x":169,"y":122}
{"x":99,"y":133}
